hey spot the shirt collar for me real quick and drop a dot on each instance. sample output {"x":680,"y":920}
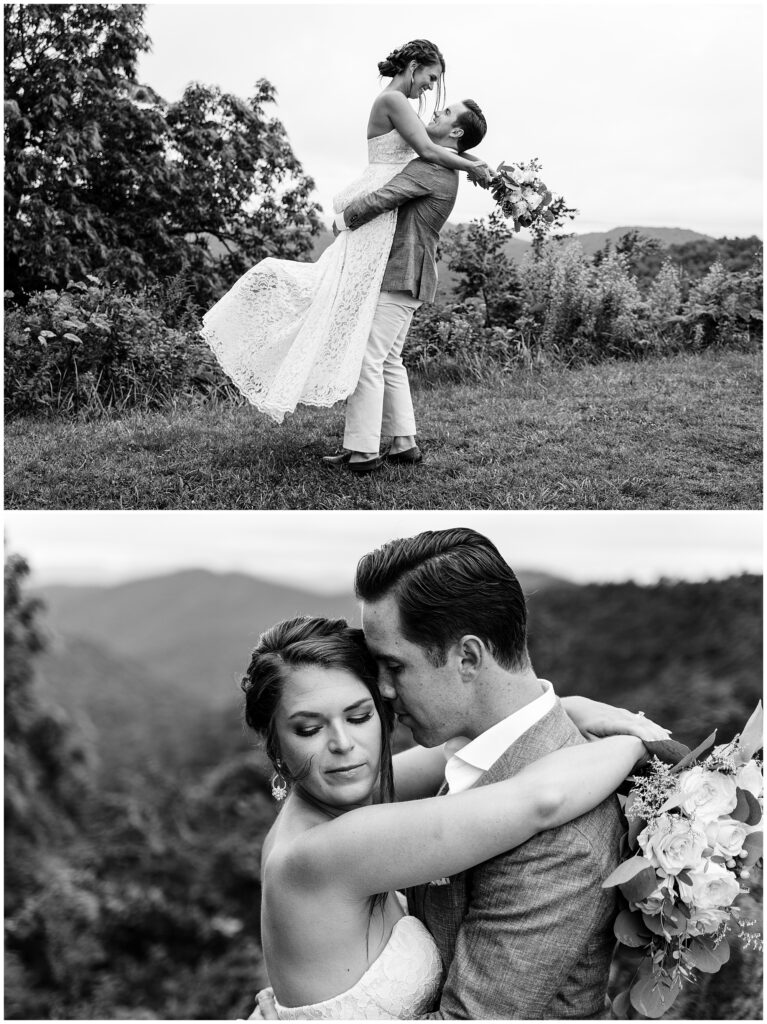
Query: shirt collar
{"x":467,"y":760}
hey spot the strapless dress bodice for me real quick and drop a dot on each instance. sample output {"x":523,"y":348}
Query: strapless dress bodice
{"x":390,"y":149}
{"x":401,"y":984}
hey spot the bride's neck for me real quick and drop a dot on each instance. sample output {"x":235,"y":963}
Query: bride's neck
{"x":328,"y":811}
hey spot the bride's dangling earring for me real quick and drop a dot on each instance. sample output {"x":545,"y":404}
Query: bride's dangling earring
{"x":412,"y":80}
{"x":279,"y":785}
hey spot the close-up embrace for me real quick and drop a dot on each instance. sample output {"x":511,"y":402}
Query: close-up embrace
{"x":437,"y":787}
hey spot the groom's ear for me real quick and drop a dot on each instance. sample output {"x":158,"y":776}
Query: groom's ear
{"x":472,"y":652}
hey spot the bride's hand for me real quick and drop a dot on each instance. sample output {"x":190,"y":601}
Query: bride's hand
{"x":595,"y":720}
{"x":265,"y":1008}
{"x":480,"y":174}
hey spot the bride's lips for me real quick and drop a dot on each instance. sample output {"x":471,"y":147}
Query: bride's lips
{"x":346,"y":771}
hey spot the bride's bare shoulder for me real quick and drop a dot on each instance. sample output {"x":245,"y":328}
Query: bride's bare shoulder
{"x":292,"y":849}
{"x":385,"y":104}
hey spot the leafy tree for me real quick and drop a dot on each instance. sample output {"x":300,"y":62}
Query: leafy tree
{"x":243,"y":187}
{"x":104,"y":177}
{"x":477,"y":252}
{"x":46,"y":764}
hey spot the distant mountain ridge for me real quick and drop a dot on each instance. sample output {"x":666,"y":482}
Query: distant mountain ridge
{"x":592,"y":241}
{"x":197,"y":627}
{"x":152,"y":667}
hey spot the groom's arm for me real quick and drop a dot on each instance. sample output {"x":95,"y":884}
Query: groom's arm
{"x":535,"y":916}
{"x":419,"y":178}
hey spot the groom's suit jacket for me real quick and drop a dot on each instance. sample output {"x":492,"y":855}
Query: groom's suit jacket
{"x":528,"y":935}
{"x":424,"y":196}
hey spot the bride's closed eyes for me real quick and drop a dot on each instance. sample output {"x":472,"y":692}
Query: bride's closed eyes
{"x":354,"y":720}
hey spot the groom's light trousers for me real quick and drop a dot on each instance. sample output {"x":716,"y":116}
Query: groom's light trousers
{"x":381,"y":402}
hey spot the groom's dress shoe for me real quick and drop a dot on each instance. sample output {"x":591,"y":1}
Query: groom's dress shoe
{"x":368,"y":466}
{"x":343,"y":461}
{"x":337,"y":461}
{"x":409,"y":456}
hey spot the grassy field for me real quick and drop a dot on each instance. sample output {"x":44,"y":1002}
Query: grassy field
{"x":676,"y":433}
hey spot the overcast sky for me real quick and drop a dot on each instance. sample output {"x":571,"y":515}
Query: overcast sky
{"x":320,"y":550}
{"x":642,"y":114}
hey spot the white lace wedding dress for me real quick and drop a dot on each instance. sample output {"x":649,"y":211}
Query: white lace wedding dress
{"x":291,"y":332}
{"x":401,"y":984}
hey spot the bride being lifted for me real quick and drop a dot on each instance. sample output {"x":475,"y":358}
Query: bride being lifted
{"x":291,"y":332}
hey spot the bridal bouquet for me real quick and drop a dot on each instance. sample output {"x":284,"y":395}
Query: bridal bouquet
{"x":695,"y":832}
{"x":522,"y":195}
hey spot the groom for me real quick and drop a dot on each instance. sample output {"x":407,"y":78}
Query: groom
{"x":528,"y":934}
{"x":424,"y":195}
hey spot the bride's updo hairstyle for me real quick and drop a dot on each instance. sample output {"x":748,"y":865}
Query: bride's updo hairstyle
{"x":424,"y":53}
{"x":315,"y":642}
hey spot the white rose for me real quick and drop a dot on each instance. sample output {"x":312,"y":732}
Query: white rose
{"x":673,"y":843}
{"x":533,"y":199}
{"x":706,"y":921}
{"x":707,"y":794}
{"x":710,"y":887}
{"x":726,"y":836}
{"x":750,"y":777}
{"x":528,"y":176}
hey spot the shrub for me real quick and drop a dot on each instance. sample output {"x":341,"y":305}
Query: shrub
{"x":726,"y":306}
{"x":89,"y":348}
{"x":576,"y":311}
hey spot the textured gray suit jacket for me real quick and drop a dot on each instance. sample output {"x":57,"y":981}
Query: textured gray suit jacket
{"x":425,"y":195}
{"x":528,"y":935}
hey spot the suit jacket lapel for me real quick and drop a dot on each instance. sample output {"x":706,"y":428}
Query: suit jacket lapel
{"x":551,"y":732}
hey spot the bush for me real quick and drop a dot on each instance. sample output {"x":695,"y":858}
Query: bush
{"x":90,"y":348}
{"x":577,"y":311}
{"x":726,"y":306}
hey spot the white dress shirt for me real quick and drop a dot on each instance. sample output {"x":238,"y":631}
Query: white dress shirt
{"x":467,"y":760}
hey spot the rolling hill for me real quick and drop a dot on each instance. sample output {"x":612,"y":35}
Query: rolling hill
{"x":592,"y":241}
{"x":196,"y":628}
{"x":152,"y":667}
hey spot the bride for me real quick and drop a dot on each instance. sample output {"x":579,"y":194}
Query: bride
{"x":336,"y":939}
{"x":291,"y":332}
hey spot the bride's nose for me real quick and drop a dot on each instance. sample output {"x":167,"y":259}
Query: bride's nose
{"x":340,"y":739}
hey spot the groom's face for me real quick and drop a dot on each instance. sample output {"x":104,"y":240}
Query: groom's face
{"x":443,"y":122}
{"x":426,"y":698}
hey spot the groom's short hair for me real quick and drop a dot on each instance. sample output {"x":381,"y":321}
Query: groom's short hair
{"x":474,"y":126}
{"x":447,"y":584}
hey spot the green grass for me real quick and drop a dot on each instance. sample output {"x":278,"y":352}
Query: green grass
{"x":677,"y":433}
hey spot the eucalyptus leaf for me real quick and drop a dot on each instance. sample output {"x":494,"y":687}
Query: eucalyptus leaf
{"x":640,"y":886}
{"x":668,"y":751}
{"x":630,"y":930}
{"x":626,"y":870}
{"x":653,"y":996}
{"x":752,"y":737}
{"x":707,"y":957}
{"x":653,"y":923}
{"x":621,"y":1005}
{"x":754,"y":847}
{"x":747,"y":809}
{"x":695,"y":754}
